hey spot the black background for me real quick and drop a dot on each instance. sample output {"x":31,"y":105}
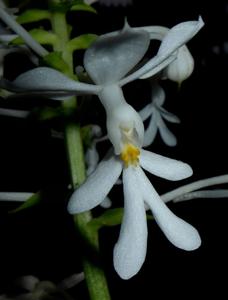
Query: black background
{"x":42,"y":241}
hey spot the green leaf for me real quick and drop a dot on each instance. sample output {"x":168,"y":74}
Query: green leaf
{"x":42,"y":36}
{"x":83,"y":7}
{"x":55,"y":60}
{"x":111,"y":217}
{"x":81,"y":42}
{"x":32,"y":201}
{"x":33,"y":15}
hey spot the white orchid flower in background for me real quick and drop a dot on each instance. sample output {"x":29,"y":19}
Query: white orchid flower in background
{"x":157,"y":113}
{"x":35,"y":289}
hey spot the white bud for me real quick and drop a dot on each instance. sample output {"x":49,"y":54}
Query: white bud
{"x":182,"y":67}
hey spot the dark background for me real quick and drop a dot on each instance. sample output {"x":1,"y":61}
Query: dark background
{"x":42,"y":241}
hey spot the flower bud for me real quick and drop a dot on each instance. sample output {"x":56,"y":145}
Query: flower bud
{"x":182,"y":67}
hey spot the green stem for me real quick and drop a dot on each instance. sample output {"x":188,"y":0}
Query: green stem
{"x":94,"y":275}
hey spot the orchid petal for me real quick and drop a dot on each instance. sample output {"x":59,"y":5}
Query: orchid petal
{"x":178,"y":232}
{"x":146,"y":111}
{"x":173,"y":40}
{"x":150,"y":132}
{"x":94,"y":190}
{"x":158,"y":95}
{"x":46,"y":80}
{"x":170,"y":117}
{"x":182,"y":67}
{"x":178,"y":35}
{"x":164,"y":167}
{"x":167,"y":136}
{"x":113,"y":55}
{"x":130,"y":250}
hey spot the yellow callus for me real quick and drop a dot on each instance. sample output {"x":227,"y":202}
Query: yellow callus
{"x":130,"y":155}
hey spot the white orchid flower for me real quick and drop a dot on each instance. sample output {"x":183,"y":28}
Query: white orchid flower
{"x":130,"y":250}
{"x":130,"y":158}
{"x":107,"y":61}
{"x":35,"y":289}
{"x":157,"y":113}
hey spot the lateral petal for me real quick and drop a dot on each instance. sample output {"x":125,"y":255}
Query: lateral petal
{"x":178,"y":232}
{"x":46,"y":80}
{"x":151,"y":131}
{"x":130,"y":249}
{"x":170,"y":169}
{"x":96,"y":187}
{"x":179,"y":35}
{"x":167,"y":136}
{"x":170,"y":117}
{"x":146,"y":111}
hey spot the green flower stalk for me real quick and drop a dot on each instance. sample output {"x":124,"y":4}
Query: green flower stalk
{"x":94,"y":275}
